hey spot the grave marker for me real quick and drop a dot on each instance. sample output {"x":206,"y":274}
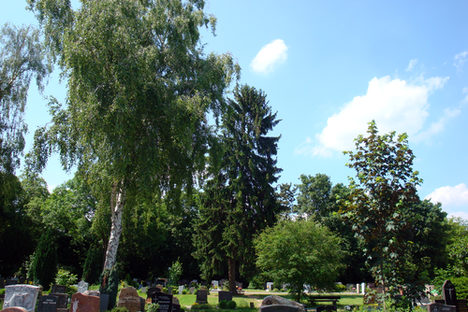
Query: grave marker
{"x":84,"y":303}
{"x":59,"y":289}
{"x":24,"y":296}
{"x":448,"y":293}
{"x":224,"y":296}
{"x":164,"y":301}
{"x":202,"y":296}
{"x":47,"y":304}
{"x":82,"y":286}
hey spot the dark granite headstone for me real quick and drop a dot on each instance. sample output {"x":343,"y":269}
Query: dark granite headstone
{"x":440,"y":307}
{"x":59,"y":289}
{"x":448,"y":293}
{"x":164,"y":301}
{"x":47,"y":304}
{"x":103,"y":302}
{"x":202,"y":296}
{"x":224,"y":296}
{"x":62,"y":300}
{"x":152,"y":291}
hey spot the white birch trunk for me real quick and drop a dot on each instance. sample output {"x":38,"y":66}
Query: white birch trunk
{"x":116,"y":227}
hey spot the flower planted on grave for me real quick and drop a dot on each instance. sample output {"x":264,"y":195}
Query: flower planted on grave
{"x":152,"y":307}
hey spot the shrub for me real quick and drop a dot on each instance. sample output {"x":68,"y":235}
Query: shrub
{"x":224,"y":304}
{"x":185,"y":291}
{"x":65,"y":277}
{"x":202,"y":307}
{"x":151,"y":307}
{"x":120,"y":309}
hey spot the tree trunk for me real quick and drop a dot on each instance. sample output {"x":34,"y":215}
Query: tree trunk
{"x":232,"y":275}
{"x":117,"y":204}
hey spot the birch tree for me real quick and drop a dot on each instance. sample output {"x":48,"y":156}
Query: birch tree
{"x":139,"y":90}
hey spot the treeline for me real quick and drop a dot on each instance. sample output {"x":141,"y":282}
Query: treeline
{"x":176,"y":163}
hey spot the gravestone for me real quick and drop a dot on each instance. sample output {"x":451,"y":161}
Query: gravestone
{"x":440,"y":307}
{"x":202,"y":296}
{"x":152,"y":291}
{"x":24,"y":296}
{"x":129,"y":298}
{"x":448,"y":293}
{"x":84,"y":303}
{"x":82,"y":286}
{"x":103,"y":302}
{"x":59,"y":289}
{"x":181,"y":289}
{"x":215,"y":284}
{"x":62,"y":302}
{"x":280,"y":304}
{"x":269,"y":286}
{"x":47,"y":304}
{"x":224,"y":296}
{"x":175,"y":305}
{"x":14,"y":309}
{"x":191,"y":290}
{"x":164,"y":301}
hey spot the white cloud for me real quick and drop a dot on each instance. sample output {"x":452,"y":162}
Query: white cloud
{"x":453,"y":196}
{"x":439,"y":125}
{"x":270,"y":56}
{"x":460,"y":59}
{"x":393,"y":103}
{"x":454,"y":199}
{"x":412,"y":63}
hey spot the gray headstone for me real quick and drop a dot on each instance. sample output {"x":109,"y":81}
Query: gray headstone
{"x":82,"y":286}
{"x":181,"y":289}
{"x":224,"y":296}
{"x":215,"y":284}
{"x":191,"y":290}
{"x":448,"y":293}
{"x":24,"y":296}
{"x":47,"y":304}
{"x":202,"y":296}
{"x":440,"y":307}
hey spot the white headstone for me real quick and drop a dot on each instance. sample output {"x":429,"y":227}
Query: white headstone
{"x":82,"y":286}
{"x":269,"y":286}
{"x":215,"y":284}
{"x":357,"y":288}
{"x":181,"y":289}
{"x":24,"y":296}
{"x":363,"y":288}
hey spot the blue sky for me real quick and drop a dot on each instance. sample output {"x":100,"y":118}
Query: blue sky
{"x":330,"y":67}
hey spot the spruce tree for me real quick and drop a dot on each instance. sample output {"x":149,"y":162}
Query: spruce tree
{"x":239,"y":199}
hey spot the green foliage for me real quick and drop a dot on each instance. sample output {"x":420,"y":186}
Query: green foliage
{"x":110,"y":284}
{"x":64,"y":277}
{"x":120,"y":309}
{"x":93,"y":264}
{"x":300,"y":252}
{"x":175,"y":271}
{"x":151,"y":307}
{"x":387,"y":214}
{"x":44,"y":262}
{"x":21,"y":57}
{"x":135,"y":113}
{"x":225,"y":304}
{"x":15,"y":226}
{"x":206,"y":306}
{"x":239,"y":199}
